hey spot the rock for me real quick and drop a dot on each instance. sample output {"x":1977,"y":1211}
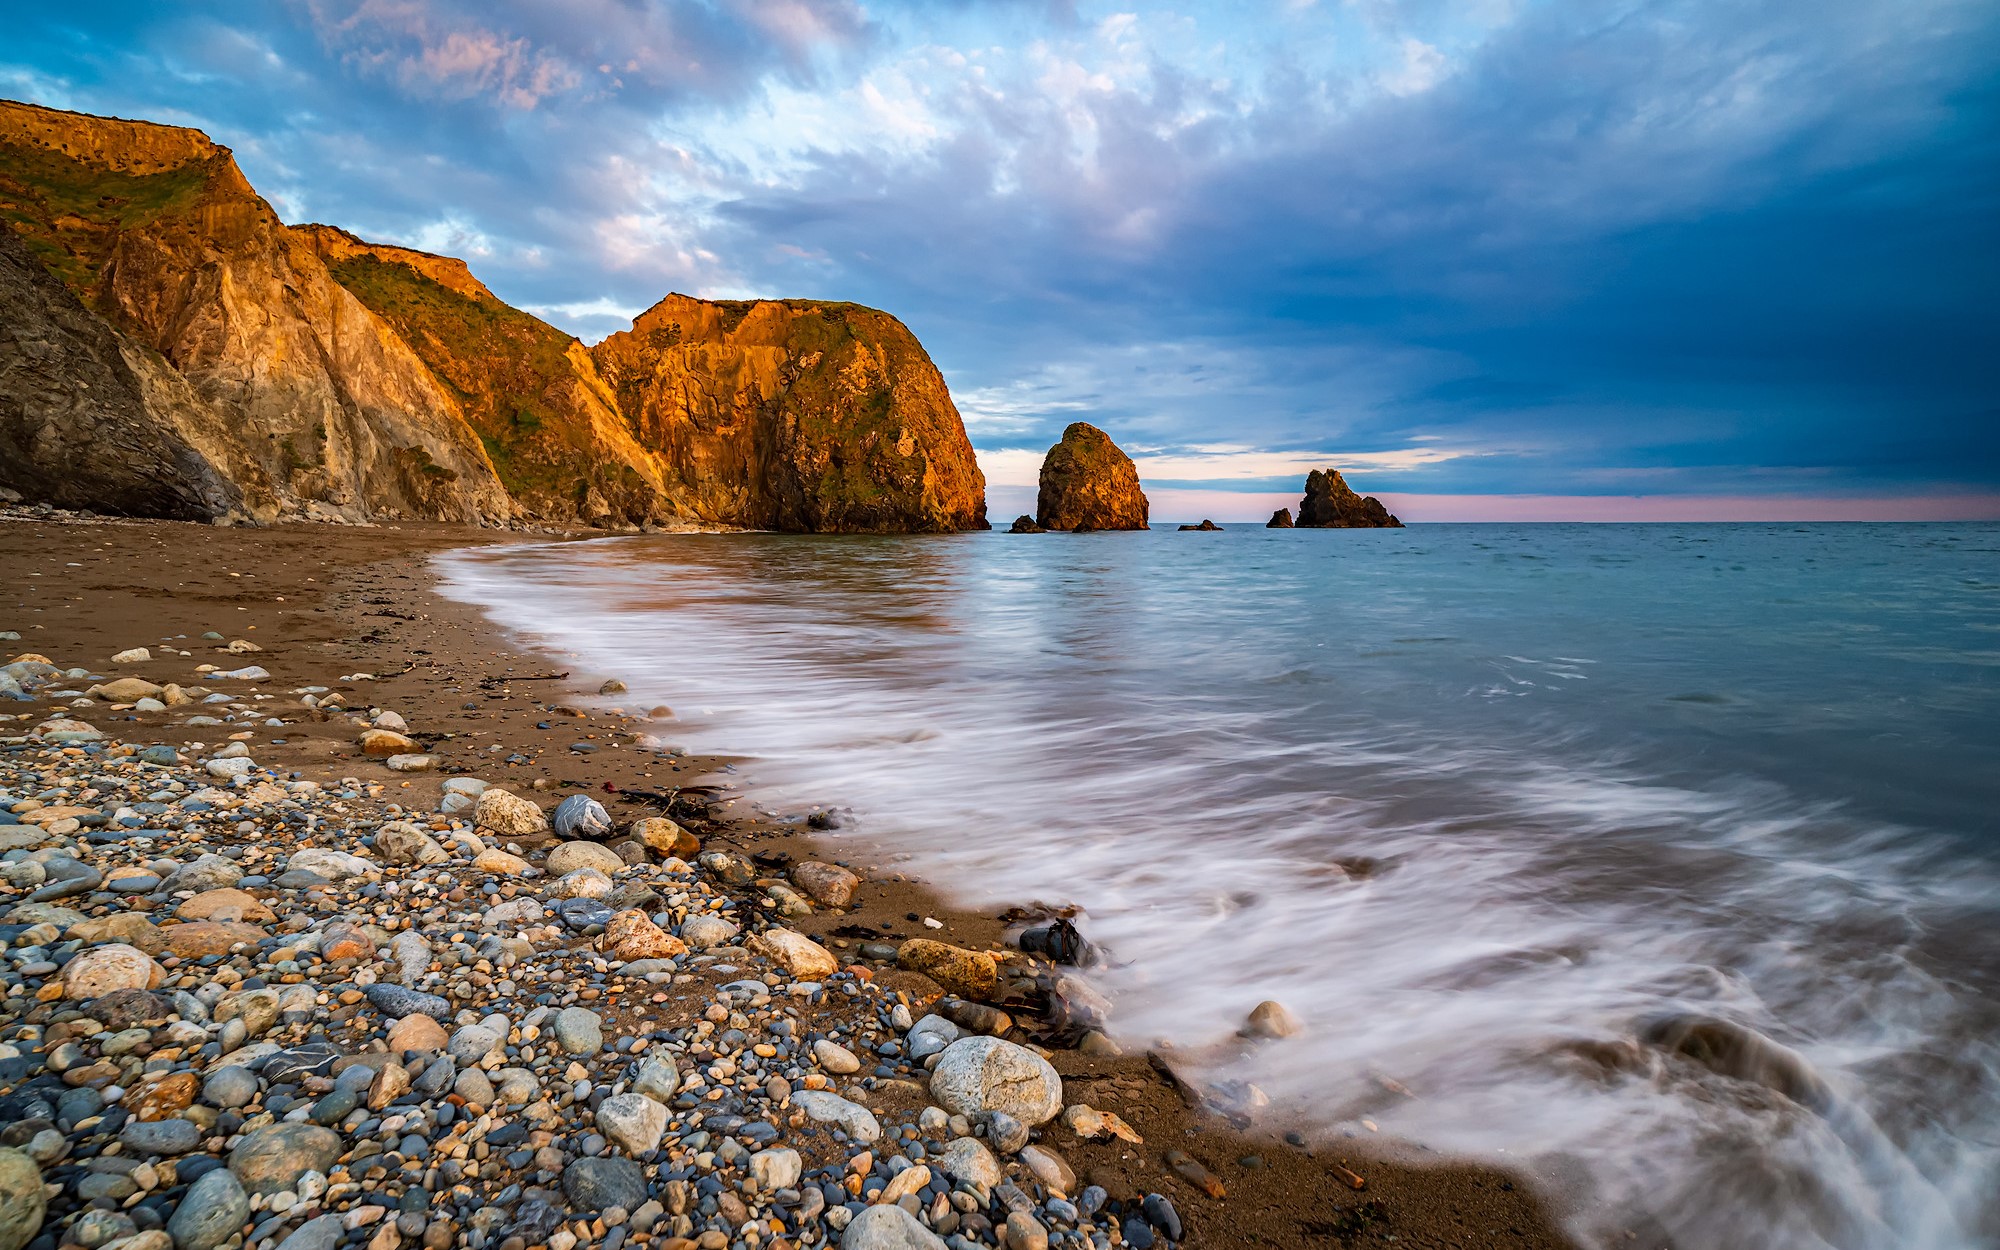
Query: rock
{"x":397,"y":1001}
{"x":567,"y":857}
{"x":657,"y":1078}
{"x":598,"y":1184}
{"x":273,"y":1159}
{"x":580,"y":816}
{"x":417,"y":1032}
{"x":666,"y":837}
{"x":1025,"y":525}
{"x":1025,"y":1232}
{"x":930,"y":1035}
{"x":506,"y":815}
{"x":631,"y":935}
{"x":203,"y":938}
{"x":634,"y":1121}
{"x":214,"y":1209}
{"x":582,"y":883}
{"x":411,"y":763}
{"x":472,"y":1043}
{"x":1206,"y":526}
{"x":1330,"y":503}
{"x":976,"y":1074}
{"x":856,"y":1120}
{"x":129,"y":1009}
{"x":1280,"y":520}
{"x":795,"y":953}
{"x":103,"y":969}
{"x":1003,"y":1132}
{"x":773,"y":1170}
{"x":1049,"y":1168}
{"x":226,"y":904}
{"x":1088,"y":484}
{"x":578,"y":1031}
{"x":322,"y":1232}
{"x":166,"y":1097}
{"x":132,"y":655}
{"x":125,"y":690}
{"x":500,"y":863}
{"x":22,"y":1205}
{"x":1160,"y":1214}
{"x":229,"y":1087}
{"x":968,"y":1159}
{"x":333,"y":865}
{"x":612,"y":686}
{"x":160,"y":1137}
{"x":228,"y":768}
{"x":835,"y":1058}
{"x":1271,"y":1019}
{"x":966,"y":973}
{"x":888,"y":1227}
{"x":383,"y":743}
{"x":206,"y":872}
{"x":829,"y":885}
{"x":702,"y":930}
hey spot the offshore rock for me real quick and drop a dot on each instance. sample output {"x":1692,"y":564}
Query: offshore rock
{"x":1088,"y":484}
{"x":1280,"y":520}
{"x":1025,"y":525}
{"x":1206,"y":527}
{"x":1331,"y":504}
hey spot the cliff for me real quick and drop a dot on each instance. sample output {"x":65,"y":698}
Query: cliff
{"x":1087,"y":483}
{"x":301,"y":371}
{"x":1330,"y":503}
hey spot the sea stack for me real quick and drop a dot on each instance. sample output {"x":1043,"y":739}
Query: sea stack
{"x":1207,"y":526}
{"x":1025,"y":525}
{"x":1088,"y":484}
{"x":1280,"y":520}
{"x":1331,"y":504}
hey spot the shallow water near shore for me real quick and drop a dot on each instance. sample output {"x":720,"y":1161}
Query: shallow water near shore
{"x":1659,"y":860}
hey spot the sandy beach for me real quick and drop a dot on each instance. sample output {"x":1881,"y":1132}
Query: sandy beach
{"x":353,"y":611}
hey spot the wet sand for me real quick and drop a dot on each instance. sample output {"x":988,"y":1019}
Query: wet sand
{"x":326,"y":603}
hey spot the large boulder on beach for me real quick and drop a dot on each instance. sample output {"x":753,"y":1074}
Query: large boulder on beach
{"x":966,"y":973}
{"x":506,"y":815}
{"x":1088,"y":484}
{"x":1330,"y":503}
{"x":986,"y":1074}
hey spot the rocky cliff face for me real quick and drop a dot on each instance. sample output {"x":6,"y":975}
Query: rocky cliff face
{"x":1087,"y":483}
{"x":1331,"y":504}
{"x":316,"y":374}
{"x":91,"y":419}
{"x":795,"y":415}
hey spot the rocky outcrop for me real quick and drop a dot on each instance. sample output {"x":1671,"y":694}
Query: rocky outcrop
{"x":1280,"y":520}
{"x":795,"y":415}
{"x":1025,"y":525}
{"x":1088,"y":484}
{"x":1206,"y":526}
{"x":91,"y":419}
{"x":301,"y":371}
{"x":1331,"y":504}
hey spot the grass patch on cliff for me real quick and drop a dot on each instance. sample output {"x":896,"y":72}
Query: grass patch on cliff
{"x":70,"y":213}
{"x":501,"y":363}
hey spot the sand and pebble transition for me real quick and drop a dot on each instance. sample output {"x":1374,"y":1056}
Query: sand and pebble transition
{"x":298,"y":955}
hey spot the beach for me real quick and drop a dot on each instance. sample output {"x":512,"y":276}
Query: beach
{"x":354,"y":611}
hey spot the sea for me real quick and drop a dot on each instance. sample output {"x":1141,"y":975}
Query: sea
{"x":1659,"y":862}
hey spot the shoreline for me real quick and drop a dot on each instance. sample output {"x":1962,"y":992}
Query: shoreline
{"x":327,"y":602}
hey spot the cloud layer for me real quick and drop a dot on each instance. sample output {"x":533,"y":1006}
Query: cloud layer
{"x":1476,"y":248}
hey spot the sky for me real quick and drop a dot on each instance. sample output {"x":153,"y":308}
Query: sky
{"x":1495,"y":259}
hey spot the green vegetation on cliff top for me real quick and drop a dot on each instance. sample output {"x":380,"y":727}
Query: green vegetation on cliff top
{"x":70,"y":213}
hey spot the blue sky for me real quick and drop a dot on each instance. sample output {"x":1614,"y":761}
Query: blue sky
{"x":1495,"y":258}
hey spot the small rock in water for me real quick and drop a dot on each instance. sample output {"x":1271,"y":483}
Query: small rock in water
{"x":1272,"y":1019}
